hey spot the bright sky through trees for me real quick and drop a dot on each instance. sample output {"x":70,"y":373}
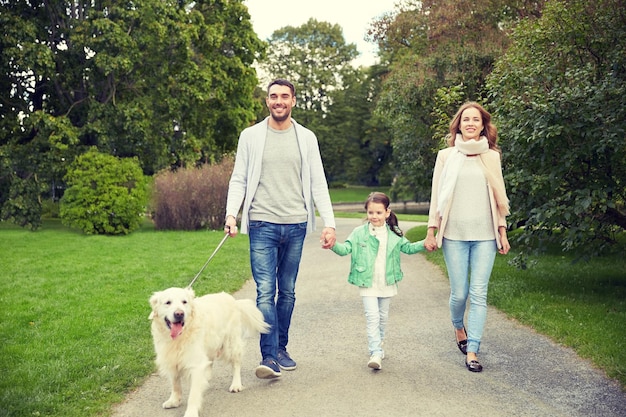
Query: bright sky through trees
{"x":354,"y":16}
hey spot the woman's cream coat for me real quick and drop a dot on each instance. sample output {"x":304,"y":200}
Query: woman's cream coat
{"x":491,"y":160}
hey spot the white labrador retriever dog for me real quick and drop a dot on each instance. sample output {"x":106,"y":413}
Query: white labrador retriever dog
{"x":191,"y":332}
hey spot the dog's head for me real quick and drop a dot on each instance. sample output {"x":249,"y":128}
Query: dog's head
{"x":173,"y":307}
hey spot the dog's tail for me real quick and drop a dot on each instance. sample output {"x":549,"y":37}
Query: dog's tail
{"x":252,"y":317}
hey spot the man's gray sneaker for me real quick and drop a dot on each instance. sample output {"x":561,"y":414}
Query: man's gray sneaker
{"x":268,"y":369}
{"x":284,"y":360}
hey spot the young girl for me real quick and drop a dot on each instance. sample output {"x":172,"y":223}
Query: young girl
{"x":375,"y":267}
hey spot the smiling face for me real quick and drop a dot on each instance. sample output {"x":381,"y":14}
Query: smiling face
{"x":471,"y":123}
{"x":377,"y":213}
{"x":279,"y":101}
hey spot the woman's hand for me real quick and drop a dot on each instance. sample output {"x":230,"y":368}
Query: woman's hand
{"x":430,"y":243}
{"x":504,"y":241}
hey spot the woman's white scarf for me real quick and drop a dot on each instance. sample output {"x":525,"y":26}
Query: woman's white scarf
{"x":453,"y":166}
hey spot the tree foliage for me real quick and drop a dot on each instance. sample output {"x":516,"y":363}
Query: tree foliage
{"x":560,"y":97}
{"x":334,"y":99}
{"x":315,"y":58}
{"x":170,"y":82}
{"x":431,"y":46}
{"x":355,"y":144}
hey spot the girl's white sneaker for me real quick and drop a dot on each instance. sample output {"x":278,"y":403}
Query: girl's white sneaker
{"x":375,"y":362}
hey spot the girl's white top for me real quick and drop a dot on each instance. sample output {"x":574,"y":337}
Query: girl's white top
{"x":379,"y":286}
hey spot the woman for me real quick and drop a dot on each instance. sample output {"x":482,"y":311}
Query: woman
{"x":468,"y":206}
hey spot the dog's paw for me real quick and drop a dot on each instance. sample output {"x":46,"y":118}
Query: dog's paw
{"x":235,"y":388}
{"x":171,"y":403}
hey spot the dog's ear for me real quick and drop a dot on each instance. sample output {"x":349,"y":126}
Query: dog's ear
{"x":154,"y":300}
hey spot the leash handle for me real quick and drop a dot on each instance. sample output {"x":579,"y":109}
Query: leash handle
{"x":208,"y":260}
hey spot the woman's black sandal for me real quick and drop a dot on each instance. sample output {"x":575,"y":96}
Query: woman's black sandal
{"x":474,"y":366}
{"x":462,"y":344}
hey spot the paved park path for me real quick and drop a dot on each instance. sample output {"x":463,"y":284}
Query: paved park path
{"x":526,"y":374}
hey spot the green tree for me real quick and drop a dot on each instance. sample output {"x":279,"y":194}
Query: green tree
{"x":428,"y":46}
{"x":559,"y":94}
{"x":355,"y":144}
{"x":168,"y":82}
{"x":315,"y":58}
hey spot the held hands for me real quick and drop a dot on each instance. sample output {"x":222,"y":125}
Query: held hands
{"x":430,"y":243}
{"x":328,"y":238}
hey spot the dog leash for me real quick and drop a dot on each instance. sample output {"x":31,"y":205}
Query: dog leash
{"x":209,"y":260}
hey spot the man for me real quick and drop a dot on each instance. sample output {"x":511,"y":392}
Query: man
{"x":279,"y":177}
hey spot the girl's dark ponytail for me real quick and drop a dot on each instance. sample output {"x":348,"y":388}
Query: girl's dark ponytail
{"x":392,"y":221}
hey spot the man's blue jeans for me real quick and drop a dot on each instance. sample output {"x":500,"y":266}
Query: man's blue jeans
{"x":473,"y":258}
{"x":275,"y":252}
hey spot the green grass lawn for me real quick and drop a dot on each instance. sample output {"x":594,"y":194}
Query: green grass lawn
{"x":76,"y":334}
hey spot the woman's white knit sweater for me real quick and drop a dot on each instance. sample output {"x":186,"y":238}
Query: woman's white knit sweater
{"x":470,"y":211}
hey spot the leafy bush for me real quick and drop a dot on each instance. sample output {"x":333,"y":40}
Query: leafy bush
{"x":105,"y":194}
{"x":192,"y":198}
{"x":22,"y":204}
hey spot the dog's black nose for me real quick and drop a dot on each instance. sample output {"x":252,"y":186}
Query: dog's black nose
{"x":179,"y":316}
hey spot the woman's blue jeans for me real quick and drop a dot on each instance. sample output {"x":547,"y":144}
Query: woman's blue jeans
{"x":469,"y":265}
{"x":376,"y":316}
{"x":275,"y":252}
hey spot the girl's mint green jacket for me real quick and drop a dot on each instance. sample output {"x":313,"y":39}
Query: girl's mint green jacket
{"x":364,"y":247}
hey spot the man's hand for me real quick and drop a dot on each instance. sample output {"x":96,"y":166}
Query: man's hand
{"x":231,"y":226}
{"x":328,"y":238}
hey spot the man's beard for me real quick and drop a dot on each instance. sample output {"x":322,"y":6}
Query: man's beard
{"x":280,"y":118}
